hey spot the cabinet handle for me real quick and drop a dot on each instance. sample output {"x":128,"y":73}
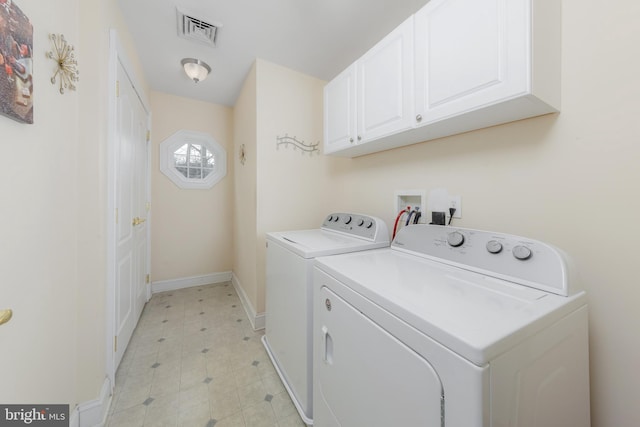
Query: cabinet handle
{"x":351,"y":140}
{"x":419,"y":118}
{"x":359,"y":138}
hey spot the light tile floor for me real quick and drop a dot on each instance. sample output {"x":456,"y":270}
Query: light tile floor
{"x":195,"y":361}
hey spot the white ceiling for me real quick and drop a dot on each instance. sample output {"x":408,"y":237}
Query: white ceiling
{"x":317,"y":37}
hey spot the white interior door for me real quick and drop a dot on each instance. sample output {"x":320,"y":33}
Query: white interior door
{"x":131,"y":212}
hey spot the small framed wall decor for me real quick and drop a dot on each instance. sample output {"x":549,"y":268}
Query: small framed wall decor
{"x":16,"y":63}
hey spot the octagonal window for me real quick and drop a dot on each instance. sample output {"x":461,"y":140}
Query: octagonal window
{"x":193,"y":159}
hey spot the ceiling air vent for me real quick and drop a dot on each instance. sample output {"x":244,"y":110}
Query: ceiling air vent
{"x":196,"y":29}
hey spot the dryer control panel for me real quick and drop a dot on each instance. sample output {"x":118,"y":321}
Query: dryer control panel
{"x":365,"y":226}
{"x":517,"y":259}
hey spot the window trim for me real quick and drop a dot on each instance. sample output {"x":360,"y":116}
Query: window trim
{"x":177,"y":140}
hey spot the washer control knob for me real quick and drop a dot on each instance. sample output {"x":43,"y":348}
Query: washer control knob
{"x":330,"y":218}
{"x":369,"y":224}
{"x":361,"y":222}
{"x":455,"y":239}
{"x":494,"y":247}
{"x":348,"y":219}
{"x":336,"y":218}
{"x":521,"y":252}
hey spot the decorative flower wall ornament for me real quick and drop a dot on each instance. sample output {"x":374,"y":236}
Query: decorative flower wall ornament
{"x":63,"y":54}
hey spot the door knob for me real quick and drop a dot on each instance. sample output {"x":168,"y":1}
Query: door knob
{"x":5,"y":316}
{"x":138,"y":221}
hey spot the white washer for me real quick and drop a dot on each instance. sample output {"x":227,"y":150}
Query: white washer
{"x":290,"y":256}
{"x":450,"y":327}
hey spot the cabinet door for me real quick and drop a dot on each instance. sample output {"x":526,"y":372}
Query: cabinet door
{"x":470,"y":54}
{"x":340,"y":111}
{"x":385,"y":85}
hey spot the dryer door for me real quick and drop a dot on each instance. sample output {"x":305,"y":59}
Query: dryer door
{"x":366,"y":377}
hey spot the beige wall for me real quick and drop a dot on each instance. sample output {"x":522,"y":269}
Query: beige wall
{"x":52,"y":263}
{"x":277,"y":188}
{"x":38,"y":229}
{"x":291,"y":184}
{"x":245,"y":213}
{"x":191,"y":230}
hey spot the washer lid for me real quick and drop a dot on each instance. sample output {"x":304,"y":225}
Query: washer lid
{"x":319,"y":242}
{"x":475,"y":315}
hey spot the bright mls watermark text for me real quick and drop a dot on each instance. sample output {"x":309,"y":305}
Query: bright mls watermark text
{"x":34,"y":415}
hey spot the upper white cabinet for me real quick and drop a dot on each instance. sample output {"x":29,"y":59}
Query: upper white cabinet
{"x":340,"y":111}
{"x":467,"y":56}
{"x":385,"y":85}
{"x":372,"y":98}
{"x":477,"y":63}
{"x":472,"y":54}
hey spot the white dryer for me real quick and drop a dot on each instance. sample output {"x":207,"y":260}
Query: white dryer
{"x":289,"y":281}
{"x":450,"y":327}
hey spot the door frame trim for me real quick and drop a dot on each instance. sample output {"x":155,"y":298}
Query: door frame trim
{"x":117,"y":54}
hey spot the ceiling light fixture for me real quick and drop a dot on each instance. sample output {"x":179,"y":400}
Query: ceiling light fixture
{"x":196,"y":70}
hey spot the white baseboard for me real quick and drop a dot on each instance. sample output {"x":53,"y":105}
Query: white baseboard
{"x":74,"y":418}
{"x":188,"y":282}
{"x":93,"y":413}
{"x":257,"y":320}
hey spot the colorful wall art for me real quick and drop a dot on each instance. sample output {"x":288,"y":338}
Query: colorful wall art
{"x":16,"y":63}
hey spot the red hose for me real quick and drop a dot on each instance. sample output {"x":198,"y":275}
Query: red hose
{"x":395,"y":225}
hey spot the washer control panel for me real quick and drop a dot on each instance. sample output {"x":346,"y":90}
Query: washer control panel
{"x":365,"y":226}
{"x":514,"y":258}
